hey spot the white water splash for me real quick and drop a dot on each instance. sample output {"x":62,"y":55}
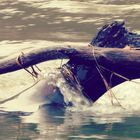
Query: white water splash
{"x":103,"y":111}
{"x":127,"y":95}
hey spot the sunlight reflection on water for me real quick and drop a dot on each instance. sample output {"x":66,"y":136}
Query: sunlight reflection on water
{"x":30,"y":24}
{"x":62,"y":20}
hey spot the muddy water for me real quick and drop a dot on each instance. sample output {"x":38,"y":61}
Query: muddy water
{"x":27,"y":24}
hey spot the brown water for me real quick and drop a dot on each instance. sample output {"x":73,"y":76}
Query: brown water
{"x":61,"y":20}
{"x":28,"y":24}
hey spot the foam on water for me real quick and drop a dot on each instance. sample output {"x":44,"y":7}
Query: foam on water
{"x":107,"y":108}
{"x":113,"y":109}
{"x":120,"y":102}
{"x":42,"y":93}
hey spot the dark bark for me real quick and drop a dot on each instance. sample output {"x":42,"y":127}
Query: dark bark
{"x":110,"y":57}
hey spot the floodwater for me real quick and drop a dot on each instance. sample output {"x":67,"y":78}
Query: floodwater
{"x":30,"y":24}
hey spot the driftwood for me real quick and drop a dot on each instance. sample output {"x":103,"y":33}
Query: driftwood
{"x":122,"y":61}
{"x":113,"y":57}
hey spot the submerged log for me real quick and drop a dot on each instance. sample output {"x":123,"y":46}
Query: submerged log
{"x":83,"y":66}
{"x":116,"y":66}
{"x":92,"y":70}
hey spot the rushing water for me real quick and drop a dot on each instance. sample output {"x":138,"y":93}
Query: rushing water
{"x":28,"y":24}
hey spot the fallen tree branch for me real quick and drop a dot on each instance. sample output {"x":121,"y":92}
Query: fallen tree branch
{"x":105,"y":56}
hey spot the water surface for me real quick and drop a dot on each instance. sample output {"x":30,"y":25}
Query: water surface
{"x":28,"y":24}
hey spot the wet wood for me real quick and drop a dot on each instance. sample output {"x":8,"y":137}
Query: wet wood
{"x":111,"y":57}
